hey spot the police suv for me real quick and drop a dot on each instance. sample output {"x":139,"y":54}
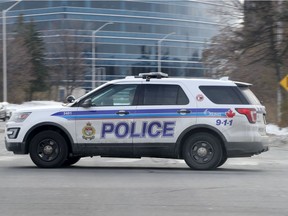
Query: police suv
{"x":202,"y":121}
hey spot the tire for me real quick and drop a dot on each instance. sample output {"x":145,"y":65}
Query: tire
{"x":202,"y":151}
{"x":70,"y":161}
{"x":48,"y":149}
{"x":223,"y":160}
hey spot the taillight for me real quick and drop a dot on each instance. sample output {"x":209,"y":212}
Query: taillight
{"x":250,"y":113}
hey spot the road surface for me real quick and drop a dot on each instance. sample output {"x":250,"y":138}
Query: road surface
{"x":148,"y":186}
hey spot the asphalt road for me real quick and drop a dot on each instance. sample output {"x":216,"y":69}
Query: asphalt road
{"x":132,"y":187}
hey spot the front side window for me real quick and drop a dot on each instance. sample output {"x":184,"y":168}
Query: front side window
{"x":114,"y":95}
{"x":159,"y":94}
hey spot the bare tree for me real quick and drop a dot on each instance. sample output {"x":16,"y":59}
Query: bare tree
{"x":19,"y":70}
{"x":259,"y":42}
{"x":68,"y":67}
{"x":261,"y":36}
{"x":222,"y":58}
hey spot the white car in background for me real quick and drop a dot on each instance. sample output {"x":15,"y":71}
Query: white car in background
{"x":3,"y":114}
{"x":6,"y":110}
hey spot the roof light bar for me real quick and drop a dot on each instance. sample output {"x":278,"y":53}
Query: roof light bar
{"x":150,"y":75}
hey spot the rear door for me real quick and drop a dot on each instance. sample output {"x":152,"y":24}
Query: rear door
{"x":163,"y":112}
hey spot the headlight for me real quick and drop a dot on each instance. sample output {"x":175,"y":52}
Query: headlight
{"x":20,"y":116}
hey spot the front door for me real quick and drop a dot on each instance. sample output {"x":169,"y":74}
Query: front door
{"x":104,"y":127}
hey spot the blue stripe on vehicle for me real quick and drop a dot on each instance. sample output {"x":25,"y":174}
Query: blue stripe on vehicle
{"x":141,"y":113}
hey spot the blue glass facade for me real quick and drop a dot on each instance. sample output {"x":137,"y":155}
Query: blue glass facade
{"x":130,"y":45}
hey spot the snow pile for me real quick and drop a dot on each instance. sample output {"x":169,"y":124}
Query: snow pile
{"x":275,"y":130}
{"x":277,"y":136}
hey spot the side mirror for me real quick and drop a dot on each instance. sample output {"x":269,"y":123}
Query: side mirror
{"x":70,"y":99}
{"x":87,"y":103}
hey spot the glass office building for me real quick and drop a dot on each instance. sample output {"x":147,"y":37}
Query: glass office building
{"x":131,"y":37}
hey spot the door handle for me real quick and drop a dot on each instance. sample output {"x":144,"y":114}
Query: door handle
{"x":122,"y":112}
{"x":183,"y":111}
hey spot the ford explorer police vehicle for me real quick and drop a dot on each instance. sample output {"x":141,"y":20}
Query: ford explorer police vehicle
{"x":202,"y":121}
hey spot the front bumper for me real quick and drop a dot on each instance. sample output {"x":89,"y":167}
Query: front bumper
{"x":16,"y":148}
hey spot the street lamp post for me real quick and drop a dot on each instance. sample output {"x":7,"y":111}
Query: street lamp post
{"x":159,"y":49}
{"x":5,"y":49}
{"x":93,"y":52}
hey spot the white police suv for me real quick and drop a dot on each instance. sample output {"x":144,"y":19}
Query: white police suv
{"x":202,"y":121}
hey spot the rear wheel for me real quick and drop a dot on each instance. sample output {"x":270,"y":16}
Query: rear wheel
{"x":48,"y":149}
{"x":202,"y":151}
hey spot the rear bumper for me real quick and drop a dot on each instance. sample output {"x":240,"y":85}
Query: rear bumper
{"x":246,"y":149}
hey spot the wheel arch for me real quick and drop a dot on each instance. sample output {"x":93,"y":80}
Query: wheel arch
{"x":47,"y":126}
{"x":198,"y":129}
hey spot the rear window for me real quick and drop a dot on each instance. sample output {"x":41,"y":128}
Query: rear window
{"x":224,"y":94}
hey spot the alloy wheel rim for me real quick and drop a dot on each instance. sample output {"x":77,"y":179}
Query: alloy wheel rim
{"x":48,"y":150}
{"x":202,"y":152}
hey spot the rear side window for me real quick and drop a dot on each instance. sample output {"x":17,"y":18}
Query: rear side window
{"x":159,"y":94}
{"x":224,"y":94}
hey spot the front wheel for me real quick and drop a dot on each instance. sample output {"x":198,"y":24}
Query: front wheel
{"x":70,"y":161}
{"x":202,"y":151}
{"x":48,"y":149}
{"x":223,"y":160}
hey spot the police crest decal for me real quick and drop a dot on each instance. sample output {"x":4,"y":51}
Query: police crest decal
{"x":88,"y":132}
